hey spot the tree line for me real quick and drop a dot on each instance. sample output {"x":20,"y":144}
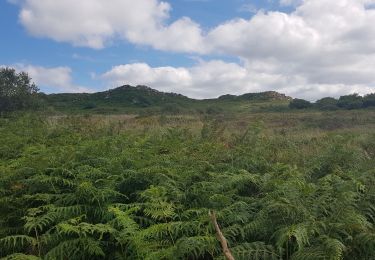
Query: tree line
{"x":353,"y":101}
{"x":18,"y":92}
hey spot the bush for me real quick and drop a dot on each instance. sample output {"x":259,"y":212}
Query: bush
{"x":214,"y":110}
{"x":90,"y":106}
{"x":353,"y":101}
{"x":299,"y":104}
{"x":327,"y":103}
{"x":171,"y":108}
{"x":369,"y":100}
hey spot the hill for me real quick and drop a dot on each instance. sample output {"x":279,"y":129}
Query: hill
{"x":261,"y":96}
{"x":129,"y":98}
{"x":126,"y":96}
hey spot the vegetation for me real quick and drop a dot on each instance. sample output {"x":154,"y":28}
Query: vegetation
{"x":123,"y":187}
{"x":161,"y":185}
{"x":327,"y":103}
{"x":16,"y":91}
{"x":141,"y":99}
{"x":299,"y":104}
{"x":347,"y":102}
{"x":350,"y":102}
{"x":369,"y":100}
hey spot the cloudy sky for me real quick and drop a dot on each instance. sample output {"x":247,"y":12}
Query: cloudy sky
{"x":200,"y":48}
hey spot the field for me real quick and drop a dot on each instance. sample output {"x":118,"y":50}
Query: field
{"x":283,"y":185}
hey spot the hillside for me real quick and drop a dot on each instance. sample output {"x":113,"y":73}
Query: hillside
{"x":124,"y":96}
{"x":130,"y":98}
{"x":261,"y":96}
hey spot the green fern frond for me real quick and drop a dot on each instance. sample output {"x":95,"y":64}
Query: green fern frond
{"x":16,"y":241}
{"x":84,"y":229}
{"x":19,"y":256}
{"x":310,"y":253}
{"x":196,"y":246}
{"x":37,"y":220}
{"x":76,"y":249}
{"x":159,"y":211}
{"x":334,"y":248}
{"x":171,"y":230}
{"x":298,"y":233}
{"x":255,"y":251}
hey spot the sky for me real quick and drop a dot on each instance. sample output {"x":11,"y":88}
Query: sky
{"x":200,"y":48}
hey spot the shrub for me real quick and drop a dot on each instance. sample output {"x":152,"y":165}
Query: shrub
{"x":299,"y":104}
{"x":327,"y":103}
{"x":369,"y":100}
{"x":171,"y":108}
{"x":214,"y":110}
{"x":353,"y":101}
{"x":89,"y":106}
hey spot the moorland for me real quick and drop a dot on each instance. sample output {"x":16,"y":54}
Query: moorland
{"x":134,"y":173}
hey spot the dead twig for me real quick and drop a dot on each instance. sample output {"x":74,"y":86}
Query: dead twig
{"x":224,"y":244}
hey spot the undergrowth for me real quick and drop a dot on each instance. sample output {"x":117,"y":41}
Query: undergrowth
{"x":75,"y":190}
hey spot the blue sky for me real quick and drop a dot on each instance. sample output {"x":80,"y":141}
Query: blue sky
{"x":201,"y":48}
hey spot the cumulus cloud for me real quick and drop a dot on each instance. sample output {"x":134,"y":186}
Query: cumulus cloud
{"x":323,"y":46}
{"x":55,"y":79}
{"x":328,"y":45}
{"x":213,"y":78}
{"x":95,"y":23}
{"x":197,"y":81}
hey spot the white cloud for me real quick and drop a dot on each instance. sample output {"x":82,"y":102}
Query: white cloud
{"x":329,"y":45}
{"x":214,"y":78}
{"x":55,"y":79}
{"x":131,"y":73}
{"x":200,"y":81}
{"x":95,"y":23}
{"x":272,"y":34}
{"x":323,"y":46}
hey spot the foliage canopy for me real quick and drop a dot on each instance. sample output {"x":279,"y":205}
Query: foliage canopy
{"x":16,"y":90}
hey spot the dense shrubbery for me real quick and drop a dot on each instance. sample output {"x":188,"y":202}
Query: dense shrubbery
{"x":299,"y":104}
{"x":354,"y":101}
{"x":369,"y":100}
{"x":69,"y":190}
{"x":327,"y":103}
{"x":348,"y":102}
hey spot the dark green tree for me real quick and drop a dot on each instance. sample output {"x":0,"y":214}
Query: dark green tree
{"x":369,"y":100}
{"x":327,"y":103}
{"x":299,"y":104}
{"x":353,"y":101}
{"x":16,"y":90}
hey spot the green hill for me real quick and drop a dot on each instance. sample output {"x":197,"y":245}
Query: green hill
{"x":124,"y":96}
{"x":129,"y":98}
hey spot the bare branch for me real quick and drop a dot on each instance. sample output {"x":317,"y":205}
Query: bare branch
{"x":224,"y":244}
